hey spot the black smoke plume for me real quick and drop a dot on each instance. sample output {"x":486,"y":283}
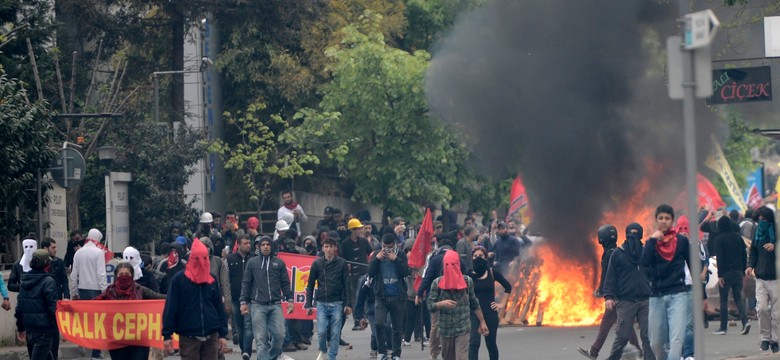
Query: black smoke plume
{"x":565,"y":92}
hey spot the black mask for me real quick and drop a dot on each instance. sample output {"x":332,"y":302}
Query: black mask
{"x":310,"y":248}
{"x":480,"y":266}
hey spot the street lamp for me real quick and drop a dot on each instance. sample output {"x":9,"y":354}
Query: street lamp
{"x":107,"y":155}
{"x":205,"y":62}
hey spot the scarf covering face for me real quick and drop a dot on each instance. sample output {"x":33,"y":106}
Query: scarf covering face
{"x":683,"y":226}
{"x":637,"y":227}
{"x":125,"y":286}
{"x":198,"y":268}
{"x":29,"y":246}
{"x":667,"y":246}
{"x":132,"y":256}
{"x":452,"y":278}
{"x":174,"y":255}
{"x":292,"y":205}
{"x":480,"y":267}
{"x":633,"y":244}
{"x":252,"y":223}
{"x":765,"y":233}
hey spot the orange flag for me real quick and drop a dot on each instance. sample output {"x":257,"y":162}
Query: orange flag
{"x":422,"y":244}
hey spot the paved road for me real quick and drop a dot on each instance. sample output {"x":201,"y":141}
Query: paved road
{"x":540,"y":343}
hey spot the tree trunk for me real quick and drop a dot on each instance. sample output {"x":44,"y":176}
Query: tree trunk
{"x":177,"y":63}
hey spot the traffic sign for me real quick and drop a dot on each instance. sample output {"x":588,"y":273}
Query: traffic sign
{"x":700,"y":29}
{"x":68,"y":168}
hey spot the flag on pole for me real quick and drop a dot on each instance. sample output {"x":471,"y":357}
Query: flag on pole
{"x":422,"y":244}
{"x":708,"y":194}
{"x":717,"y":162}
{"x":518,"y":202}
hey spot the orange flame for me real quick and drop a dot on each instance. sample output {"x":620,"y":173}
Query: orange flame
{"x":564,"y":294}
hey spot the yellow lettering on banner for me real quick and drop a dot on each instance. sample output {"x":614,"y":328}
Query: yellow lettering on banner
{"x":117,"y":331}
{"x":143,"y":322}
{"x":100,"y":327}
{"x":64,"y":318}
{"x":130,"y":327}
{"x":155,"y":327}
{"x":88,"y":333}
{"x":78,"y":331}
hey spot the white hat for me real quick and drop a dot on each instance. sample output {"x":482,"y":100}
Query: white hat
{"x":28,"y":246}
{"x":94,"y":234}
{"x":282,"y":225}
{"x":132,"y":256}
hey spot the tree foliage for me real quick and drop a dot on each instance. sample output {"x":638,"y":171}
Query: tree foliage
{"x":262,"y":157}
{"x":25,"y":129}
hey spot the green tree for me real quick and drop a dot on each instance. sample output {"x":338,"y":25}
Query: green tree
{"x":428,"y":19}
{"x":739,"y":148}
{"x":25,"y":129}
{"x":398,"y":156}
{"x":262,"y":157}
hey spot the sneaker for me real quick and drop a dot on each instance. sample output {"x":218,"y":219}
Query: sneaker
{"x":775,"y":348}
{"x":406,"y":343}
{"x":746,"y":328}
{"x":764,"y":346}
{"x":306,"y":340}
{"x":426,"y":343}
{"x":289,"y":348}
{"x":587,"y":353}
{"x":396,"y":358}
{"x":719,"y":332}
{"x":383,"y":357}
{"x":301,"y":346}
{"x":689,"y":358}
{"x":244,"y":356}
{"x":343,"y":343}
{"x":322,"y":356}
{"x":372,"y":354}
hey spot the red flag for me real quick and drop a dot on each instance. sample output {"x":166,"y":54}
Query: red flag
{"x":754,"y":197}
{"x":708,"y":194}
{"x":422,"y":244}
{"x":518,"y":201}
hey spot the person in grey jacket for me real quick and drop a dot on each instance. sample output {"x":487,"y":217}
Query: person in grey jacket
{"x":265,"y":283}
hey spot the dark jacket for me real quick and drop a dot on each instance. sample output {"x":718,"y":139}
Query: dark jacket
{"x":15,"y":279}
{"x":60,"y":277}
{"x":625,"y":280}
{"x":37,"y":303}
{"x":729,"y":248}
{"x":364,"y":302}
{"x":236,"y":266}
{"x":193,"y":309}
{"x":762,"y":262}
{"x":604,"y":266}
{"x":265,"y":281}
{"x":332,"y":278}
{"x":357,"y":252}
{"x":507,"y":249}
{"x":149,"y":280}
{"x":375,"y":273}
{"x":666,"y":277}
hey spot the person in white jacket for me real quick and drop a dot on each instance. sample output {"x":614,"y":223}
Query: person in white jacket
{"x":291,"y":211}
{"x":88,"y":277}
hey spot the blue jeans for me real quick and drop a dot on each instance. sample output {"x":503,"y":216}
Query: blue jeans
{"x":85,"y":294}
{"x":688,"y":346}
{"x":667,"y":321}
{"x":243,"y":325}
{"x":329,"y":315}
{"x":267,"y":320}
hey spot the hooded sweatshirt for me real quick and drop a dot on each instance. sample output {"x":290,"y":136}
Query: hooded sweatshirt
{"x":729,"y":248}
{"x":265,"y":281}
{"x":625,"y":280}
{"x":37,"y":303}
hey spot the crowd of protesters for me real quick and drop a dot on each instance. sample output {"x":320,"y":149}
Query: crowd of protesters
{"x":648,"y":282}
{"x":448,"y":304}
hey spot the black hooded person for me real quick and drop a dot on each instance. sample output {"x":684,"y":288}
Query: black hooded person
{"x":172,"y":265}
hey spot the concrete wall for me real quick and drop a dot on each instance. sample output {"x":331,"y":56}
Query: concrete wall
{"x":313,"y":204}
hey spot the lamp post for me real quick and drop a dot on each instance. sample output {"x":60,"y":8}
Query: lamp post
{"x":107,"y":154}
{"x":205,"y":62}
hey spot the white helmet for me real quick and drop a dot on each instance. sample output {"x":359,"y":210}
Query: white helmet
{"x":206,"y":218}
{"x":282,"y":225}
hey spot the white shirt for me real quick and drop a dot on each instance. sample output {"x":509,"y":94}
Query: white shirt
{"x":89,"y":269}
{"x":285,"y":213}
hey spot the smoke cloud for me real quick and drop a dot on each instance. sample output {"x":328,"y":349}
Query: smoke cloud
{"x":571,"y":95}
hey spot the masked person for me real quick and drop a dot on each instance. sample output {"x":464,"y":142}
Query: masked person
{"x":195,"y":291}
{"x":172,"y":265}
{"x":484,"y":279}
{"x":452,"y":298}
{"x":125,"y":287}
{"x":627,"y":292}
{"x":23,"y":265}
{"x":607,"y":237}
{"x":761,"y":264}
{"x":141,"y":275}
{"x":732,"y":262}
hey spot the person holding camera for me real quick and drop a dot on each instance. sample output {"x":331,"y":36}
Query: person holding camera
{"x":388,"y":268}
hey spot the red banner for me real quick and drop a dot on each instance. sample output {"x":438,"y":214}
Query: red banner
{"x":298,"y":267}
{"x":112,"y":324}
{"x":518,"y":202}
{"x":422,"y":244}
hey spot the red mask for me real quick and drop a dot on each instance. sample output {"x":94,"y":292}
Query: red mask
{"x":452,"y":278}
{"x":125,"y":285}
{"x":198,"y":268}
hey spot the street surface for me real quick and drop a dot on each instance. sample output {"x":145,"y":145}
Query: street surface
{"x":540,"y":343}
